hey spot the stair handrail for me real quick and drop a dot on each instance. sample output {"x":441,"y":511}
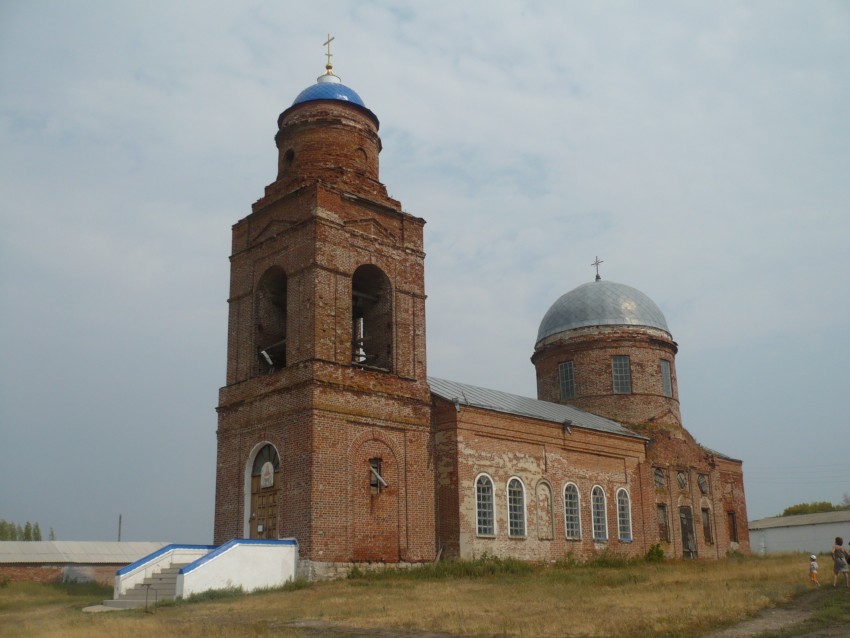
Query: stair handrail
{"x":127,"y":577}
{"x":189,"y":572}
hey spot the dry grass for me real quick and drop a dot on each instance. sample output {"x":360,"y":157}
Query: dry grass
{"x":636,"y":599}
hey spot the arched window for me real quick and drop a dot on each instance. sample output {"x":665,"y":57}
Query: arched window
{"x":267,"y":454}
{"x":600,"y":519}
{"x":485,"y":515}
{"x":572,"y":516}
{"x":270,"y":321}
{"x":516,"y":508}
{"x":624,"y":516}
{"x":371,"y":319}
{"x":706,"y":526}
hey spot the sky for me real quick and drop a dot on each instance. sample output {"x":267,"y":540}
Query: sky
{"x":700,"y":149}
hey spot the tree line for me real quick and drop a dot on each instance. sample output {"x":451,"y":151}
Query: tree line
{"x":817,"y":506}
{"x":16,"y":532}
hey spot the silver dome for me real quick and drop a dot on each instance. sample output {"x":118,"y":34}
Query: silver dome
{"x":601,"y":303}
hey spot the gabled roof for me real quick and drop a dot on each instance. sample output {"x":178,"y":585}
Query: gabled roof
{"x":75,"y":552}
{"x":820,"y":518}
{"x":487,"y":399}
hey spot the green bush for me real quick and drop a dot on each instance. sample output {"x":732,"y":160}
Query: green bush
{"x":655,"y":554}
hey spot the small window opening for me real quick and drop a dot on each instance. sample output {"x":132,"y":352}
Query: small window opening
{"x":702,"y":481}
{"x":706,"y":526}
{"x":567,"y":380}
{"x":682,"y":480}
{"x":733,"y":526}
{"x":666,"y":379}
{"x":622,"y":374}
{"x":376,"y":481}
{"x":660,"y":477}
{"x":663,"y":525}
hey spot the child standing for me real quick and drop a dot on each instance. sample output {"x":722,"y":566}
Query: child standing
{"x":839,"y":559}
{"x":813,"y":570}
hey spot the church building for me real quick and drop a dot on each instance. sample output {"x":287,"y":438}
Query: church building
{"x":330,"y":431}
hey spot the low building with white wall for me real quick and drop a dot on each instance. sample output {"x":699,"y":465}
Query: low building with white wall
{"x":807,"y":533}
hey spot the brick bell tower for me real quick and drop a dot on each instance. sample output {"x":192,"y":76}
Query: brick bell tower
{"x":324,"y":424}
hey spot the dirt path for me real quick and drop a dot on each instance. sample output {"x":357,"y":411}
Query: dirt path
{"x":787,"y":617}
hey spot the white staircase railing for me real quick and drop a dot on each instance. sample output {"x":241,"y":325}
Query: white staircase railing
{"x":135,"y":573}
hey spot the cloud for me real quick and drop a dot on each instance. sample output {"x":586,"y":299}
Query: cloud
{"x":701,"y":151}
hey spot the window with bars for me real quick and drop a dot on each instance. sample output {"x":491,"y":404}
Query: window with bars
{"x":660,"y":477}
{"x":666,"y":379}
{"x":572,"y":516}
{"x":600,"y":520}
{"x":663,"y":524}
{"x":624,"y":516}
{"x":622,"y":374}
{"x":484,"y":506}
{"x":706,"y":526}
{"x":567,"y":380}
{"x":516,"y":508}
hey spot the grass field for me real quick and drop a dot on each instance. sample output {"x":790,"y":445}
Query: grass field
{"x":483,"y":598}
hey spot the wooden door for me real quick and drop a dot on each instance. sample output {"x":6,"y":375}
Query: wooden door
{"x":689,"y":543}
{"x":265,"y":494}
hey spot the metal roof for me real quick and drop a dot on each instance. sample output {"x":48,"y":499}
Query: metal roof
{"x":601,"y":303}
{"x":820,"y":518}
{"x":81,"y":552}
{"x":487,"y":399}
{"x":328,"y":87}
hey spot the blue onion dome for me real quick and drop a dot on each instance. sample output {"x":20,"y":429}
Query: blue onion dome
{"x":601,"y":303}
{"x":329,"y":87}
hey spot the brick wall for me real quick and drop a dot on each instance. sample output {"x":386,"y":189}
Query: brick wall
{"x":545,"y":458}
{"x":591,"y":350}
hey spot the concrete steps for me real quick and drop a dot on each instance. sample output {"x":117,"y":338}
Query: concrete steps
{"x":160,"y":586}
